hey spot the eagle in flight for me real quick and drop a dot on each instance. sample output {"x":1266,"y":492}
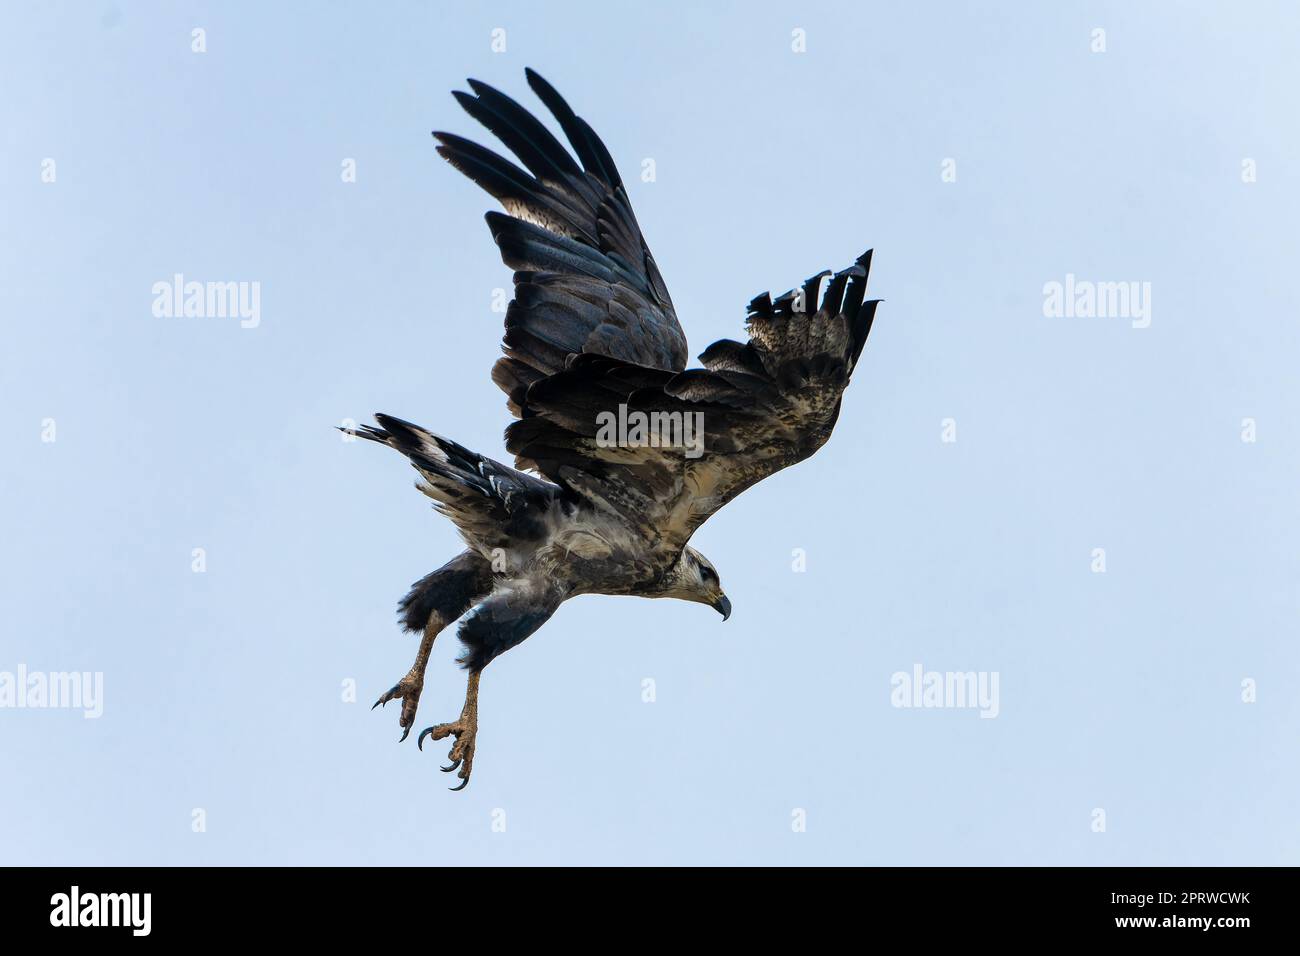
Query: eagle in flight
{"x":591,"y":337}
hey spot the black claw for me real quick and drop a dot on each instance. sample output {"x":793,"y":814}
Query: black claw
{"x":461,"y":787}
{"x":376,"y":703}
{"x":419,"y":741}
{"x":451,"y":768}
{"x":406,"y":731}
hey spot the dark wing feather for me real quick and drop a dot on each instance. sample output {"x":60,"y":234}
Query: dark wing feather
{"x":765,"y":405}
{"x":585,"y":281}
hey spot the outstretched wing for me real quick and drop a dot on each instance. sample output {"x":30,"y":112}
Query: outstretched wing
{"x":761,"y":406}
{"x":586,"y":282}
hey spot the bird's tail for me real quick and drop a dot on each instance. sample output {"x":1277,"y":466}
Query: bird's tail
{"x":479,"y":495}
{"x":427,"y":451}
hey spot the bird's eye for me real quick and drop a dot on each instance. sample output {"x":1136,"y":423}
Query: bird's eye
{"x":708,"y":574}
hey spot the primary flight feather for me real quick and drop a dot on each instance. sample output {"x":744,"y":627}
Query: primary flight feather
{"x":592,"y":342}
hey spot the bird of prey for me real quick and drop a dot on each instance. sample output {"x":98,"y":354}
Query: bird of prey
{"x":591,"y":338}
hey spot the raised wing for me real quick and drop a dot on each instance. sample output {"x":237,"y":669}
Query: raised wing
{"x":586,"y":281}
{"x":761,"y":406}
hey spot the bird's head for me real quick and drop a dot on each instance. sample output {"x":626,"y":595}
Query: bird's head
{"x":694,"y":578}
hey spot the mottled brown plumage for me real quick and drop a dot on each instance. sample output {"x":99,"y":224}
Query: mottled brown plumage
{"x":592,"y":331}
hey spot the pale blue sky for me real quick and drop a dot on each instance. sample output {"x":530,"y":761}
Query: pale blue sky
{"x":1119,"y":691}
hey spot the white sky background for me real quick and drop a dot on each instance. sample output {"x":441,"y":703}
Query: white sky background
{"x":1119,"y":691}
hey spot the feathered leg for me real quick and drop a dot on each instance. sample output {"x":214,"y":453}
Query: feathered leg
{"x":433,"y":602}
{"x":516,"y":609}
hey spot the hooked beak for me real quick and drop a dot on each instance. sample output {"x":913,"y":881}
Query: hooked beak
{"x":723,"y":606}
